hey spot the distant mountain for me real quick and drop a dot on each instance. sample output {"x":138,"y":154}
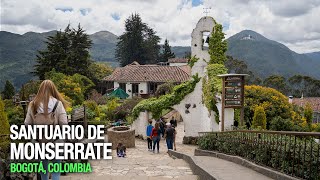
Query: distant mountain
{"x":18,"y":53}
{"x":263,"y":56}
{"x":266,"y":57}
{"x":181,"y":51}
{"x":315,"y":55}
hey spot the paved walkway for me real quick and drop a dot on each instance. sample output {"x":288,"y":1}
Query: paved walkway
{"x":140,"y":164}
{"x":226,"y":170}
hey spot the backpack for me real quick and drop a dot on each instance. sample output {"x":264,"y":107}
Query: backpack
{"x":41,"y":119}
{"x":170,"y":132}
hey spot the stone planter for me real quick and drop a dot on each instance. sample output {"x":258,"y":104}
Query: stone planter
{"x":121,"y":134}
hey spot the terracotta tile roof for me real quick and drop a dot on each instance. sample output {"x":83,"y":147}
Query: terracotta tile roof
{"x":186,"y":68}
{"x":151,"y":73}
{"x":177,"y":60}
{"x":313,"y":101}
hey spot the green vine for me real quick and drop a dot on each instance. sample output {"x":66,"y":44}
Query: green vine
{"x":156,"y":105}
{"x":192,"y":61}
{"x":212,"y":86}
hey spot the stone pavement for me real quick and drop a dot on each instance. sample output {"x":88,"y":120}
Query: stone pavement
{"x":141,"y":164}
{"x":226,"y":170}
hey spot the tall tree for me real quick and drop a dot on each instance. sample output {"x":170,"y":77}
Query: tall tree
{"x":305,"y":85}
{"x":8,"y":91}
{"x":239,"y":67}
{"x":66,"y":52}
{"x":277,"y":82}
{"x":138,"y":43}
{"x":166,"y":52}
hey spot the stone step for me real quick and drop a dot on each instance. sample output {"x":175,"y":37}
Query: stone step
{"x":110,"y":177}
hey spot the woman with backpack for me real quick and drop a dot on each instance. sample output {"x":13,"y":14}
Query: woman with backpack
{"x":155,"y":136}
{"x":47,"y":108}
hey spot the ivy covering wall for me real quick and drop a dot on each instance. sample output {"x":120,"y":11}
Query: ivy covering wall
{"x":212,"y":85}
{"x":156,"y":105}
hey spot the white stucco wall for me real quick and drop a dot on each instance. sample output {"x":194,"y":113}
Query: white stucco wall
{"x":144,"y":87}
{"x":115,"y":85}
{"x":129,"y":90}
{"x":141,"y":123}
{"x":178,"y":64}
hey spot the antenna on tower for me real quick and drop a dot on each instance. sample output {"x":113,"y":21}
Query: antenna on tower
{"x":206,"y":10}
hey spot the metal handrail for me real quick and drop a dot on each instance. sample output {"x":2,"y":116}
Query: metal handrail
{"x":295,"y":133}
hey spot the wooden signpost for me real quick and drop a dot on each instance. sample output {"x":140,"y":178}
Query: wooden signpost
{"x":232,"y":94}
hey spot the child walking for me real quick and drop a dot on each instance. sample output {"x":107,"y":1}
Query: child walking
{"x":155,"y":135}
{"x":149,"y":131}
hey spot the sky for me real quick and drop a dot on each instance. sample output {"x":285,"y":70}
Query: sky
{"x":295,"y":23}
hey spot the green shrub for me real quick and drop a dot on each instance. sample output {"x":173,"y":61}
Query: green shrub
{"x":4,"y":123}
{"x":259,"y":118}
{"x":280,"y":152}
{"x":93,"y":106}
{"x":280,"y":124}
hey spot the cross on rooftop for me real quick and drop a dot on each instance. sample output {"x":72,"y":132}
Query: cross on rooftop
{"x":206,"y":10}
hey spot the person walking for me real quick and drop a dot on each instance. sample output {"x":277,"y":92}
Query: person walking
{"x":47,"y":108}
{"x":169,"y":136}
{"x":155,"y":135}
{"x":173,"y":122}
{"x":148,"y":133}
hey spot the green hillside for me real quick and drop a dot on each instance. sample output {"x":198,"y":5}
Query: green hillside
{"x":263,"y":56}
{"x":18,"y":53}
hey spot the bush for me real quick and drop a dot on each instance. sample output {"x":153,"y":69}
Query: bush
{"x":93,"y":106}
{"x":259,"y":118}
{"x":281,"y":152}
{"x":97,"y":97}
{"x":165,"y":88}
{"x":280,"y":124}
{"x":274,"y":103}
{"x":4,"y":123}
{"x":108,"y":110}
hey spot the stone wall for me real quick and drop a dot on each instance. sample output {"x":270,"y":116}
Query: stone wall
{"x":122,"y":135}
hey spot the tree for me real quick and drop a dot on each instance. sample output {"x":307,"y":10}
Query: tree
{"x":66,"y":52}
{"x":240,"y":67}
{"x":138,"y":43}
{"x":277,"y":82}
{"x":217,"y":46}
{"x":305,"y":85}
{"x":8,"y":91}
{"x":259,"y":118}
{"x":76,"y":87}
{"x":98,"y":71}
{"x":308,"y":114}
{"x":274,"y":103}
{"x":166,"y":53}
{"x":4,"y":123}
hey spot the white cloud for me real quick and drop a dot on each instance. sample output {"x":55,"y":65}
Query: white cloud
{"x":294,"y":23}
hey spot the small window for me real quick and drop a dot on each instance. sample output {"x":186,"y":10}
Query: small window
{"x":205,"y":40}
{"x":135,"y":88}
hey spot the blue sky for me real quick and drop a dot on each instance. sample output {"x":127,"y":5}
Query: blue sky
{"x":196,"y":2}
